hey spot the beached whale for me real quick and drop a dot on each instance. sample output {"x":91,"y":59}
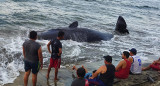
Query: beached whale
{"x":83,"y":34}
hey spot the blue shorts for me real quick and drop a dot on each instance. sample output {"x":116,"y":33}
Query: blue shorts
{"x":31,"y":66}
{"x":97,"y":82}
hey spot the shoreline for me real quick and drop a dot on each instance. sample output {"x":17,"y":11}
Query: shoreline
{"x":66,"y":77}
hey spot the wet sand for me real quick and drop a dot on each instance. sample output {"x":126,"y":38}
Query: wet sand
{"x":65,"y":76}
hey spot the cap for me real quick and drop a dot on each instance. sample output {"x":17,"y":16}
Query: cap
{"x":108,"y":58}
{"x":133,"y":50}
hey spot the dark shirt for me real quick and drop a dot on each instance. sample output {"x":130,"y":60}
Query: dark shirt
{"x":55,"y":44}
{"x":31,"y":50}
{"x":108,"y":77}
{"x":78,"y":82}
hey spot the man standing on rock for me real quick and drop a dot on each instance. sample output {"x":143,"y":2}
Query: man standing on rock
{"x":55,"y":59}
{"x":33,"y":58}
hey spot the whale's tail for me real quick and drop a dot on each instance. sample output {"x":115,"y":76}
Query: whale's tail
{"x":121,"y":26}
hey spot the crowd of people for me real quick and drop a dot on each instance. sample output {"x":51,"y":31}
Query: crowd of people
{"x":104,"y":76}
{"x":131,"y":63}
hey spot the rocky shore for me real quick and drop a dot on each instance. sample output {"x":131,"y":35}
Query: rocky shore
{"x":65,"y":76}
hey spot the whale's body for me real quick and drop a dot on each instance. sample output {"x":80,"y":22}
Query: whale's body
{"x":80,"y":34}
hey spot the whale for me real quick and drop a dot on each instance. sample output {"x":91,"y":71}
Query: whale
{"x":75,"y":33}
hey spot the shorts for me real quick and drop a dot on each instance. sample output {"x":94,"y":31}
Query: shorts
{"x":55,"y":63}
{"x":97,"y":82}
{"x":32,"y":66}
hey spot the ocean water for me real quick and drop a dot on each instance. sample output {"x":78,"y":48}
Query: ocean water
{"x":18,"y":17}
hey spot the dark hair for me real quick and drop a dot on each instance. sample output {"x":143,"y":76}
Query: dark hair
{"x":60,"y":33}
{"x":126,"y":53}
{"x":94,"y":71}
{"x":81,"y":72}
{"x":108,"y":58}
{"x":33,"y":35}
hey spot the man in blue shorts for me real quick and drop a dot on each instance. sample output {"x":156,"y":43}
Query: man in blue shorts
{"x":33,"y":58}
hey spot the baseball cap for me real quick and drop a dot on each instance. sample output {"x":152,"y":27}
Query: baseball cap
{"x":108,"y":58}
{"x":133,"y":50}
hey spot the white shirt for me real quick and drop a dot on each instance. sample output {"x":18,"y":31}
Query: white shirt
{"x":136,"y":66}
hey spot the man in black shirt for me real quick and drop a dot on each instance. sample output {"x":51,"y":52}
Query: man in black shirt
{"x":55,"y":59}
{"x":107,"y":73}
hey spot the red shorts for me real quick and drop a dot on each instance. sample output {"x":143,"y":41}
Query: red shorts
{"x":55,"y":63}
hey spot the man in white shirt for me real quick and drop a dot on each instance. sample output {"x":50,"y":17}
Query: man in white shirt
{"x":136,"y":66}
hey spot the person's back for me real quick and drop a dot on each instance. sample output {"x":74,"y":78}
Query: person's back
{"x":136,"y":67}
{"x":108,"y":77}
{"x":78,"y":82}
{"x":56,"y":44}
{"x":31,"y":50}
{"x":33,"y":58}
{"x":55,"y":60}
{"x":123,"y":73}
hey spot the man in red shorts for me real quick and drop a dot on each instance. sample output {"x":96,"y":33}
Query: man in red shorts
{"x":155,"y":65}
{"x":55,"y":59}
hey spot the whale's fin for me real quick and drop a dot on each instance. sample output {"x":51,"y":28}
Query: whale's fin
{"x":121,"y":26}
{"x":74,"y":25}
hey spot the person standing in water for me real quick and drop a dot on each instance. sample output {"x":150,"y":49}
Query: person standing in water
{"x":55,"y":59}
{"x":33,"y":58}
